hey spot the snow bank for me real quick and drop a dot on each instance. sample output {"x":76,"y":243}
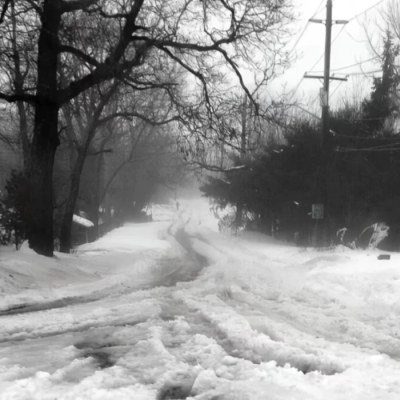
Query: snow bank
{"x":126,"y":257}
{"x":82,"y":221}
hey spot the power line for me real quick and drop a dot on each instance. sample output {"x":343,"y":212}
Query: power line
{"x":368,"y":9}
{"x":298,"y":40}
{"x":363,"y":73}
{"x":354,"y":39}
{"x":352,"y":65}
{"x":366,"y":138}
{"x":337,"y":87}
{"x":308,"y":112}
{"x":334,"y":39}
{"x":305,"y":27}
{"x":348,"y":150}
{"x":315,"y":99}
{"x":295,"y":89}
{"x":320,"y":7}
{"x":360,"y":119}
{"x":344,"y":26}
{"x":357,"y":73}
{"x":323,"y":54}
{"x":319,"y":59}
{"x":383,"y":146}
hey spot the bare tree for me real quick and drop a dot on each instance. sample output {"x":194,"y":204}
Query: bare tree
{"x":392,"y":18}
{"x":83,"y":133}
{"x":17,"y":67}
{"x":132,"y":173}
{"x":205,"y":38}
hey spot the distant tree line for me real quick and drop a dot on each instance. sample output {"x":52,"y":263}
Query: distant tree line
{"x":278,"y":184}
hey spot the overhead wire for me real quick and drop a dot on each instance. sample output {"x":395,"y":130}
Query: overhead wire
{"x":305,"y":27}
{"x":354,"y":39}
{"x":352,"y":65}
{"x":344,"y":26}
{"x":348,"y":150}
{"x":363,"y":73}
{"x":360,"y":119}
{"x":365,"y":11}
{"x":323,"y":54}
{"x":337,"y":87}
{"x":319,"y":59}
{"x":330,"y":96}
{"x":315,"y":99}
{"x":333,"y":41}
{"x":298,"y":40}
{"x":384,"y":147}
{"x":357,"y":73}
{"x":366,"y":138}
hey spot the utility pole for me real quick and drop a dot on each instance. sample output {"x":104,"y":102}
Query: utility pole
{"x":324,"y":94}
{"x":320,"y":211}
{"x":243,"y":146}
{"x":243,"y":149}
{"x":327,"y":69}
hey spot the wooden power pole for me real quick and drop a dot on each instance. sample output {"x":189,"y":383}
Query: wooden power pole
{"x":243,"y":150}
{"x":327,"y":69}
{"x":243,"y":147}
{"x":324,"y":94}
{"x":320,"y":210}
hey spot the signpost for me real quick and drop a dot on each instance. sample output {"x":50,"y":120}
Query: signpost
{"x":317,"y":211}
{"x":323,"y":97}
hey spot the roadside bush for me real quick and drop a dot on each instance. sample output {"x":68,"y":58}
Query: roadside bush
{"x":14,"y":208}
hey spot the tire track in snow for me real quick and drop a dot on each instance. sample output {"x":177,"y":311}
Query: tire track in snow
{"x":187,"y":270}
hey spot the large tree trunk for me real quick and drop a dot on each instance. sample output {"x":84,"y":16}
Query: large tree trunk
{"x":66,"y":225}
{"x":45,"y":135}
{"x":40,"y":173}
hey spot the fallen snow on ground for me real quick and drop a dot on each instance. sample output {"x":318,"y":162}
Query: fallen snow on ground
{"x":264,"y":319}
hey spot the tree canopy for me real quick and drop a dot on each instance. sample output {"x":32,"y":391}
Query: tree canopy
{"x":190,"y":50}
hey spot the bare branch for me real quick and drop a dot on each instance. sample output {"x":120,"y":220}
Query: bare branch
{"x":4,"y":10}
{"x":130,"y":115}
{"x":113,"y":67}
{"x":197,"y":74}
{"x":216,"y":168}
{"x":70,"y":6}
{"x":100,"y":11}
{"x":96,"y":153}
{"x":197,"y":47}
{"x":239,"y":75}
{"x":35,"y":6}
{"x":12,"y":98}
{"x":78,"y":53}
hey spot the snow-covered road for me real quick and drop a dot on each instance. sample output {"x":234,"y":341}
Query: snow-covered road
{"x":140,"y":316}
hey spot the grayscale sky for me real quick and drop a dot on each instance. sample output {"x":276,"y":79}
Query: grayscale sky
{"x":350,"y":47}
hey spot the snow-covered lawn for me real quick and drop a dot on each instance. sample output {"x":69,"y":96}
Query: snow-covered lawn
{"x":137,"y":317}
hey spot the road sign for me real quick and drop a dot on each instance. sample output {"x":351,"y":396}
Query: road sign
{"x":317,"y":211}
{"x":323,"y":98}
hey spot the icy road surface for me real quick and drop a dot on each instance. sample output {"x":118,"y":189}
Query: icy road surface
{"x":138,"y":315}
